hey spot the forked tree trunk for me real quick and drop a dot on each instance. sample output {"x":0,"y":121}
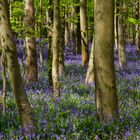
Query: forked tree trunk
{"x":90,"y":70}
{"x":55,"y":47}
{"x":84,"y":32}
{"x":31,"y":59}
{"x":105,"y":82}
{"x":7,"y":42}
{"x":121,"y":37}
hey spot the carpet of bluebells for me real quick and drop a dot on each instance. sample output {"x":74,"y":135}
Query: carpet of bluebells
{"x":73,"y":115}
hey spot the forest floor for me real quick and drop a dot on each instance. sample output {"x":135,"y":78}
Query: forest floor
{"x":73,"y":115}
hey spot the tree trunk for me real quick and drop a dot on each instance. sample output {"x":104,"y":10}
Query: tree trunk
{"x":7,"y":42}
{"x":105,"y":82}
{"x":3,"y":64}
{"x":67,"y":34}
{"x":55,"y":47}
{"x":116,"y":23}
{"x":138,"y":26}
{"x":61,"y":47}
{"x":90,"y":70}
{"x":84,"y":32}
{"x":31,"y":59}
{"x":121,"y":36}
{"x":40,"y":36}
{"x":74,"y":27}
{"x":49,"y":18}
{"x":78,"y":44}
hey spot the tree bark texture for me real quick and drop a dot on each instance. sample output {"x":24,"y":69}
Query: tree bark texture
{"x":84,"y":32}
{"x":55,"y":47}
{"x":31,"y":58}
{"x":90,"y":70}
{"x":7,"y":42}
{"x":138,"y":26}
{"x":121,"y":37}
{"x":105,"y":82}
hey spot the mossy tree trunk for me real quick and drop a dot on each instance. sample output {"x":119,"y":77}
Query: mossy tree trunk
{"x":31,"y":58}
{"x":7,"y":42}
{"x":105,"y":82}
{"x":4,"y":91}
{"x":55,"y":47}
{"x":84,"y":32}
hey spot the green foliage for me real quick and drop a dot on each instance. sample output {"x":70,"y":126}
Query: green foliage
{"x":133,"y":21}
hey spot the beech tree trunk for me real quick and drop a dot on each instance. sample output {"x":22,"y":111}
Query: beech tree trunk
{"x":40,"y":35}
{"x":105,"y":82}
{"x":138,"y":26}
{"x":55,"y":47}
{"x":7,"y":42}
{"x":90,"y":70}
{"x":67,"y":33}
{"x":31,"y":58}
{"x":121,"y":38}
{"x":49,"y":18}
{"x":73,"y":30}
{"x":62,"y":46}
{"x":4,"y":91}
{"x":84,"y":32}
{"x":78,"y":43}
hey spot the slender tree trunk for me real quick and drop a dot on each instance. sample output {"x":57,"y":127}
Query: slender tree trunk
{"x":84,"y":32}
{"x":105,"y":82}
{"x":90,"y":70}
{"x":61,"y":47}
{"x":67,"y":34}
{"x":78,"y":44}
{"x":55,"y":47}
{"x":31,"y":59}
{"x":40,"y":27}
{"x":138,"y":26}
{"x":116,"y":23}
{"x":7,"y":42}
{"x":49,"y":18}
{"x":3,"y":64}
{"x":121,"y":36}
{"x":74,"y":27}
{"x":133,"y":27}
